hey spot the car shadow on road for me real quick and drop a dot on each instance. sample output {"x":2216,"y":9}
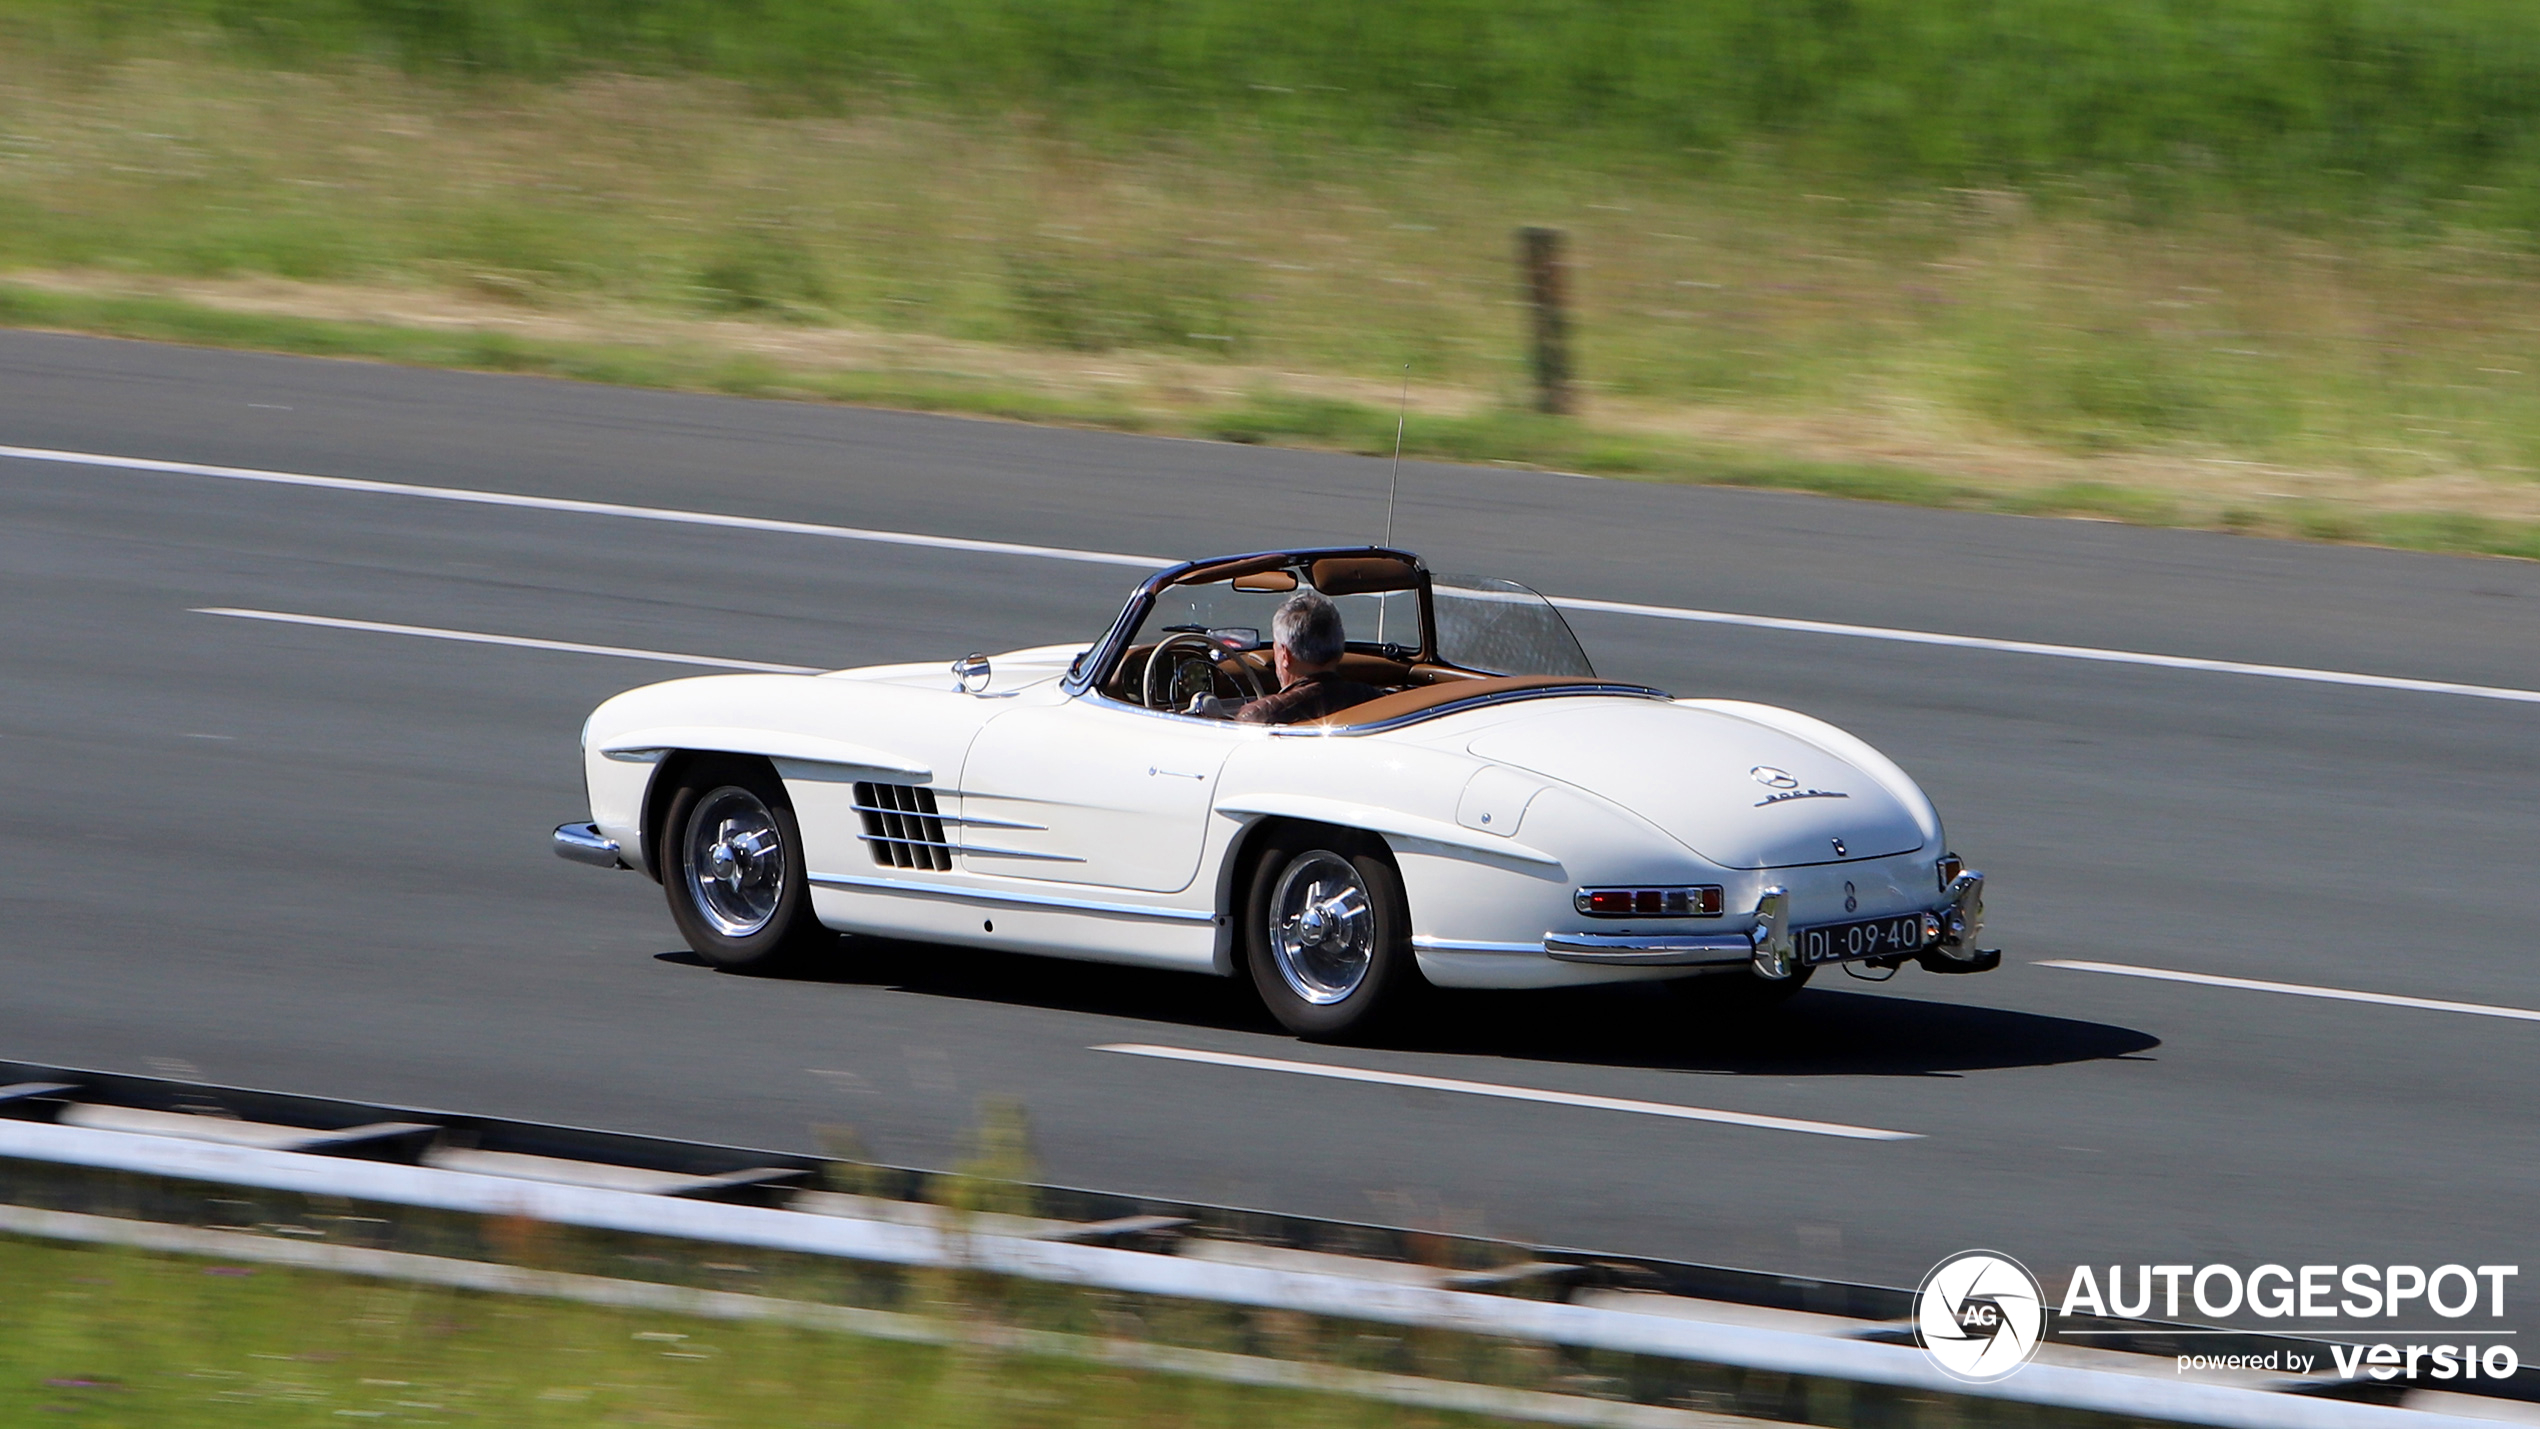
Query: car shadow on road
{"x":1023,"y":980}
{"x":1820,"y":1032}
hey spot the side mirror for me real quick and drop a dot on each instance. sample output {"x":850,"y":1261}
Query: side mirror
{"x":971,"y":671}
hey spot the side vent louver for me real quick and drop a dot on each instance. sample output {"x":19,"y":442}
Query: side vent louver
{"x":902,"y":827}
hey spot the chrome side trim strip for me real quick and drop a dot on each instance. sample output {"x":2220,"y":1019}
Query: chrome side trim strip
{"x":1423,"y":942}
{"x":1020,"y":900}
{"x":584,"y":843}
{"x":967,"y":848}
{"x":994,"y":852}
{"x":972,"y":820}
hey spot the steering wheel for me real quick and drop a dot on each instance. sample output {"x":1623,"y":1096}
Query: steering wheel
{"x":1178,"y":653}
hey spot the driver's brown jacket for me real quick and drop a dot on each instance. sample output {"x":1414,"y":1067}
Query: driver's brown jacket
{"x":1307,"y":697}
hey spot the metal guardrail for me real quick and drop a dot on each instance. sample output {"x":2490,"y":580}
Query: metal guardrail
{"x":184,"y":1141}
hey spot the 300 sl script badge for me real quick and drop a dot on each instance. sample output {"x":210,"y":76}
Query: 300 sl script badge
{"x":1787,"y":785}
{"x":1787,"y":796}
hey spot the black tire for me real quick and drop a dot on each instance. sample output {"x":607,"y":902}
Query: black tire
{"x":1324,"y":991}
{"x":1737,"y":993}
{"x":744,"y":911}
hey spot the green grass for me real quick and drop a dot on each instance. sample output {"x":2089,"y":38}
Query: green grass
{"x":1263,"y":274}
{"x":2311,"y":100}
{"x":120,"y":1338}
{"x":1502,"y":436}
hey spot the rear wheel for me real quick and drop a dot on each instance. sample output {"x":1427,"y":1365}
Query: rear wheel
{"x":732,"y":867}
{"x":1327,"y":934}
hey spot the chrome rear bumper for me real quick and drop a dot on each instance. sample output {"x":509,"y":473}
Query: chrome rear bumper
{"x":1767,"y":946}
{"x":584,"y":843}
{"x":1651,"y":950}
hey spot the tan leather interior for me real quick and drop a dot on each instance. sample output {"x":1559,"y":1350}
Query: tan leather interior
{"x":1421,"y":698}
{"x":1361,"y":575}
{"x":1373,"y":670}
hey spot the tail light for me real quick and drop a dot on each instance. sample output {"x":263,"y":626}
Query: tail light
{"x":1701,"y":901}
{"x":1951,"y":865}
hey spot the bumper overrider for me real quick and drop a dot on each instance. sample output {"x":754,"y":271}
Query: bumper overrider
{"x":1770,"y":948}
{"x":584,"y":843}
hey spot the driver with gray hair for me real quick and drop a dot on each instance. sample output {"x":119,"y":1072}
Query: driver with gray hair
{"x":1306,"y":644}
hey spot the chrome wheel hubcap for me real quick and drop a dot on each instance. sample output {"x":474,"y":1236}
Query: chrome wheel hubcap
{"x":735,"y":861}
{"x":1322,"y":928}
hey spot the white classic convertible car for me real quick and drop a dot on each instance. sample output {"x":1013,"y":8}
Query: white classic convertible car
{"x":1489,"y":814}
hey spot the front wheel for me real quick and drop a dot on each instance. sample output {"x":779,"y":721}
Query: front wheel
{"x":733,"y":868}
{"x":1328,"y":934}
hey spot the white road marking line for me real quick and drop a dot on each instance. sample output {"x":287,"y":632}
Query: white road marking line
{"x":523,"y":642}
{"x":578,"y":508}
{"x":1109,"y":558}
{"x":2061,"y":652}
{"x":2334,"y":994}
{"x":1521,"y":1094}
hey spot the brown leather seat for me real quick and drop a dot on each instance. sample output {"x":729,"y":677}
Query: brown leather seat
{"x":1420,"y":699}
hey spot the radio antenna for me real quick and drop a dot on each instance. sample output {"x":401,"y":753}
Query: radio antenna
{"x":1393,"y":482}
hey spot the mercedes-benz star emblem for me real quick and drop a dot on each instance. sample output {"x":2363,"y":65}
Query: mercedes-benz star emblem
{"x":1851,"y":895}
{"x":1772,"y":778}
{"x":1980,"y":1315}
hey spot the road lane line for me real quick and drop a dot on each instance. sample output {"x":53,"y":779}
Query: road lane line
{"x":1786,"y":625}
{"x":1520,"y":1094}
{"x":578,"y":508}
{"x":523,"y":642}
{"x":2060,"y":652}
{"x":2333,"y":994}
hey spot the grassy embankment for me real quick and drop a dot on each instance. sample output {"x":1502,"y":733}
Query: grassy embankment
{"x":114,"y":1337}
{"x":2265,"y":265}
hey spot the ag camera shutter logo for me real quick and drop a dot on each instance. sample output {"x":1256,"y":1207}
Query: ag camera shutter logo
{"x":1980,"y":1315}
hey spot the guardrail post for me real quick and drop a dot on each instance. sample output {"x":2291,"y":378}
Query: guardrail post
{"x":1539,"y":258}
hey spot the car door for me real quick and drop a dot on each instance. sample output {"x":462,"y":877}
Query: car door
{"x":1087,"y":790}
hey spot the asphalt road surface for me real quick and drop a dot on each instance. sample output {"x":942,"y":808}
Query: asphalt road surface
{"x":315,"y":859}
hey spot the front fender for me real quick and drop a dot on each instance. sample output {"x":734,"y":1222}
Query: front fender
{"x":770,"y":743}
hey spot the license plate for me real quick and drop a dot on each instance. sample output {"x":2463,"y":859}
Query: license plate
{"x":1869,"y":938}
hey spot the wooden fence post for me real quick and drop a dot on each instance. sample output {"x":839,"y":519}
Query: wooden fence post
{"x":1539,"y":255}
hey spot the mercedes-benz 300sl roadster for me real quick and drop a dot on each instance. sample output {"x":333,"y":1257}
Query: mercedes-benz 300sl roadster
{"x":1463,"y":803}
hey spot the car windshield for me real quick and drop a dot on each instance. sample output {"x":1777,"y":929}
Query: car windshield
{"x":1242,"y":617}
{"x":1484,"y":623}
{"x":1204,"y":637}
{"x":1502,"y":628}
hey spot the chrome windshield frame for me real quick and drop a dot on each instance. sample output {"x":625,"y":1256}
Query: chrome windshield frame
{"x":1096,"y":664}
